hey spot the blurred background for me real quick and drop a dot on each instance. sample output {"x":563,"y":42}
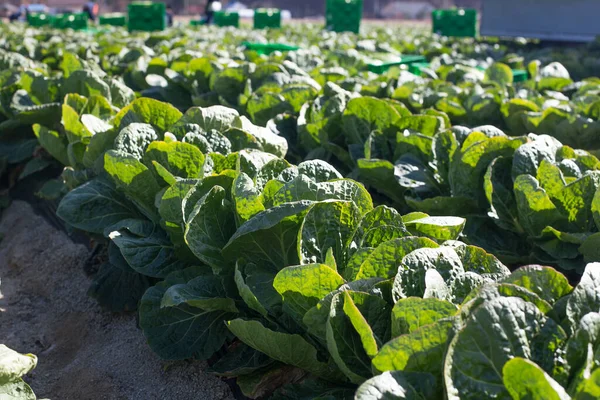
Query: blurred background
{"x":310,"y":9}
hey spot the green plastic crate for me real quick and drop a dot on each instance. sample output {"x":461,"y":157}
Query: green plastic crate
{"x":520,"y":75}
{"x":57,"y":21}
{"x":76,"y":21}
{"x":268,"y":48}
{"x":146,"y":16}
{"x":227,"y":18}
{"x":39,"y":20}
{"x":267,"y":18}
{"x":380,"y":66}
{"x":343,"y":15}
{"x":417,"y":67}
{"x":460,"y":22}
{"x":114,"y":19}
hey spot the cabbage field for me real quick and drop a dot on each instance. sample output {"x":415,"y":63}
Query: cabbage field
{"x":316,"y":230}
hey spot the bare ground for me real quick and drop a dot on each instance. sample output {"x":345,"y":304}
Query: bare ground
{"x":84,"y":352}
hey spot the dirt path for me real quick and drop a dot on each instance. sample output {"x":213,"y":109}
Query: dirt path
{"x":84,"y":352}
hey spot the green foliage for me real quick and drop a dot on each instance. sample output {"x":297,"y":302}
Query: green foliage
{"x":345,"y":231}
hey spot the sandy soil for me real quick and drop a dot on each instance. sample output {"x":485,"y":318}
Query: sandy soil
{"x":84,"y":352}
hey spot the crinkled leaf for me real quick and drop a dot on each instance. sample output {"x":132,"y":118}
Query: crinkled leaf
{"x":284,"y":347}
{"x":304,"y":188}
{"x":149,"y":111}
{"x":437,"y":228}
{"x":495,"y":332}
{"x":150,"y":252}
{"x":269,"y":237}
{"x":397,"y":385}
{"x":134,"y":179}
{"x":419,"y":351}
{"x":377,"y":226}
{"x":327,"y":225}
{"x":585,"y":297}
{"x":303,"y":286}
{"x":546,"y":282}
{"x":536,"y":210}
{"x":411,"y":313}
{"x":182,"y":331}
{"x":207,"y":292}
{"x":94,"y":206}
{"x":384,"y":260}
{"x":209,"y":227}
{"x":525,"y":380}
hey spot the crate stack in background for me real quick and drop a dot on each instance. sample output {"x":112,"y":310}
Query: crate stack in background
{"x":76,"y":21}
{"x":227,"y":18}
{"x":114,"y":19}
{"x":460,"y":22}
{"x":146,"y":16}
{"x":343,"y":15}
{"x":267,"y":18}
{"x":39,"y":20}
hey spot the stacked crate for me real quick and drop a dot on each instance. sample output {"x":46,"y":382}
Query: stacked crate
{"x":57,"y":21}
{"x":460,"y":22}
{"x":267,"y":18}
{"x":146,"y":16}
{"x":39,"y":20}
{"x":227,"y":18}
{"x":76,"y":21}
{"x":343,"y":15}
{"x":114,"y":19}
